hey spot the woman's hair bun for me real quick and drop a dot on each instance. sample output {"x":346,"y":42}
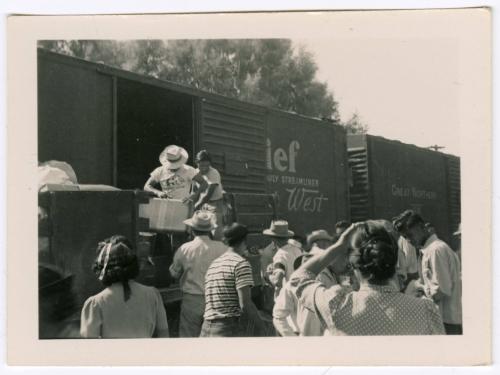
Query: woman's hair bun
{"x":378,"y":252}
{"x":118,"y":263}
{"x":378,"y":259}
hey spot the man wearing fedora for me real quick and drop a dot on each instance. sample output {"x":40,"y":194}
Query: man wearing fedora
{"x":290,"y":317}
{"x":318,"y":240}
{"x":277,"y":259}
{"x":174,"y":177}
{"x":190,"y":264}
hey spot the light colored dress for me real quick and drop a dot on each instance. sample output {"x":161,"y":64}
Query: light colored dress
{"x":108,"y":315}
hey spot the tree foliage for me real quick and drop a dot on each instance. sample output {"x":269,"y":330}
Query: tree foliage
{"x":271,"y":72}
{"x":355,"y":125}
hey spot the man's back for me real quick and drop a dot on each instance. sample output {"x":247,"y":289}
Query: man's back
{"x":286,"y":255}
{"x":224,"y":277}
{"x":192,"y":260}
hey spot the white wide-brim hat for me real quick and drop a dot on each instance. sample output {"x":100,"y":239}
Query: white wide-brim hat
{"x":279,"y":228}
{"x":318,"y":235}
{"x":202,"y":221}
{"x":174,"y":157}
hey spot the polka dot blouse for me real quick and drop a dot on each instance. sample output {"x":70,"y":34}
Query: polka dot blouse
{"x":373,"y":310}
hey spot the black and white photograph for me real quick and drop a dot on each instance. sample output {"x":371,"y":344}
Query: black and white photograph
{"x":262,"y":188}
{"x":185,"y":181}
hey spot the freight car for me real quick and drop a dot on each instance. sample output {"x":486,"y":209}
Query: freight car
{"x":388,"y":177}
{"x":111,"y":125}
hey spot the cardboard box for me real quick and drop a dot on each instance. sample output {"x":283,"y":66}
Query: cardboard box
{"x":165,"y":215}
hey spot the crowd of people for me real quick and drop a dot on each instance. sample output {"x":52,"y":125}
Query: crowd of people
{"x":376,"y":277}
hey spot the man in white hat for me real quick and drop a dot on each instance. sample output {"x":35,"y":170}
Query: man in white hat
{"x":190,"y":264}
{"x":318,"y":240}
{"x":174,"y":177}
{"x":277,"y":259}
{"x":290,"y":317}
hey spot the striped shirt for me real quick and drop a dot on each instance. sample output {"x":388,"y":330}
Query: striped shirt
{"x":224,"y":277}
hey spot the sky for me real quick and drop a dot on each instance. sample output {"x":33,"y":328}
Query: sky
{"x":404,"y":89}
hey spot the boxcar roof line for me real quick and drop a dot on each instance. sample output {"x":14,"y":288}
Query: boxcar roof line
{"x":202,"y":94}
{"x":382,"y":138}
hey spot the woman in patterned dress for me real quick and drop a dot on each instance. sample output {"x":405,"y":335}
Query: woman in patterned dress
{"x":377,"y":308}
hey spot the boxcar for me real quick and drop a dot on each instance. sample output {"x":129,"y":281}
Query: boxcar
{"x":388,"y":177}
{"x":111,"y":125}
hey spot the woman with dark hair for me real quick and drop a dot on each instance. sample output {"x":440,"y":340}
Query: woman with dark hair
{"x":377,"y":308}
{"x":125,"y":309}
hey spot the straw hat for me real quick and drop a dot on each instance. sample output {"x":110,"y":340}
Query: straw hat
{"x":202,"y":221}
{"x":318,"y":235}
{"x":278,"y":228}
{"x":174,"y":157}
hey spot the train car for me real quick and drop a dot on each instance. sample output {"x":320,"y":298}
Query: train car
{"x":308,"y":170}
{"x":388,"y":177}
{"x":111,"y":125}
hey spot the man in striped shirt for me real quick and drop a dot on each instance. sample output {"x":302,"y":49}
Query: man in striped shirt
{"x":228,"y":283}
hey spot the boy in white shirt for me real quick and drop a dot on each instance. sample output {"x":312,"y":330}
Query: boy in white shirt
{"x":210,"y":199}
